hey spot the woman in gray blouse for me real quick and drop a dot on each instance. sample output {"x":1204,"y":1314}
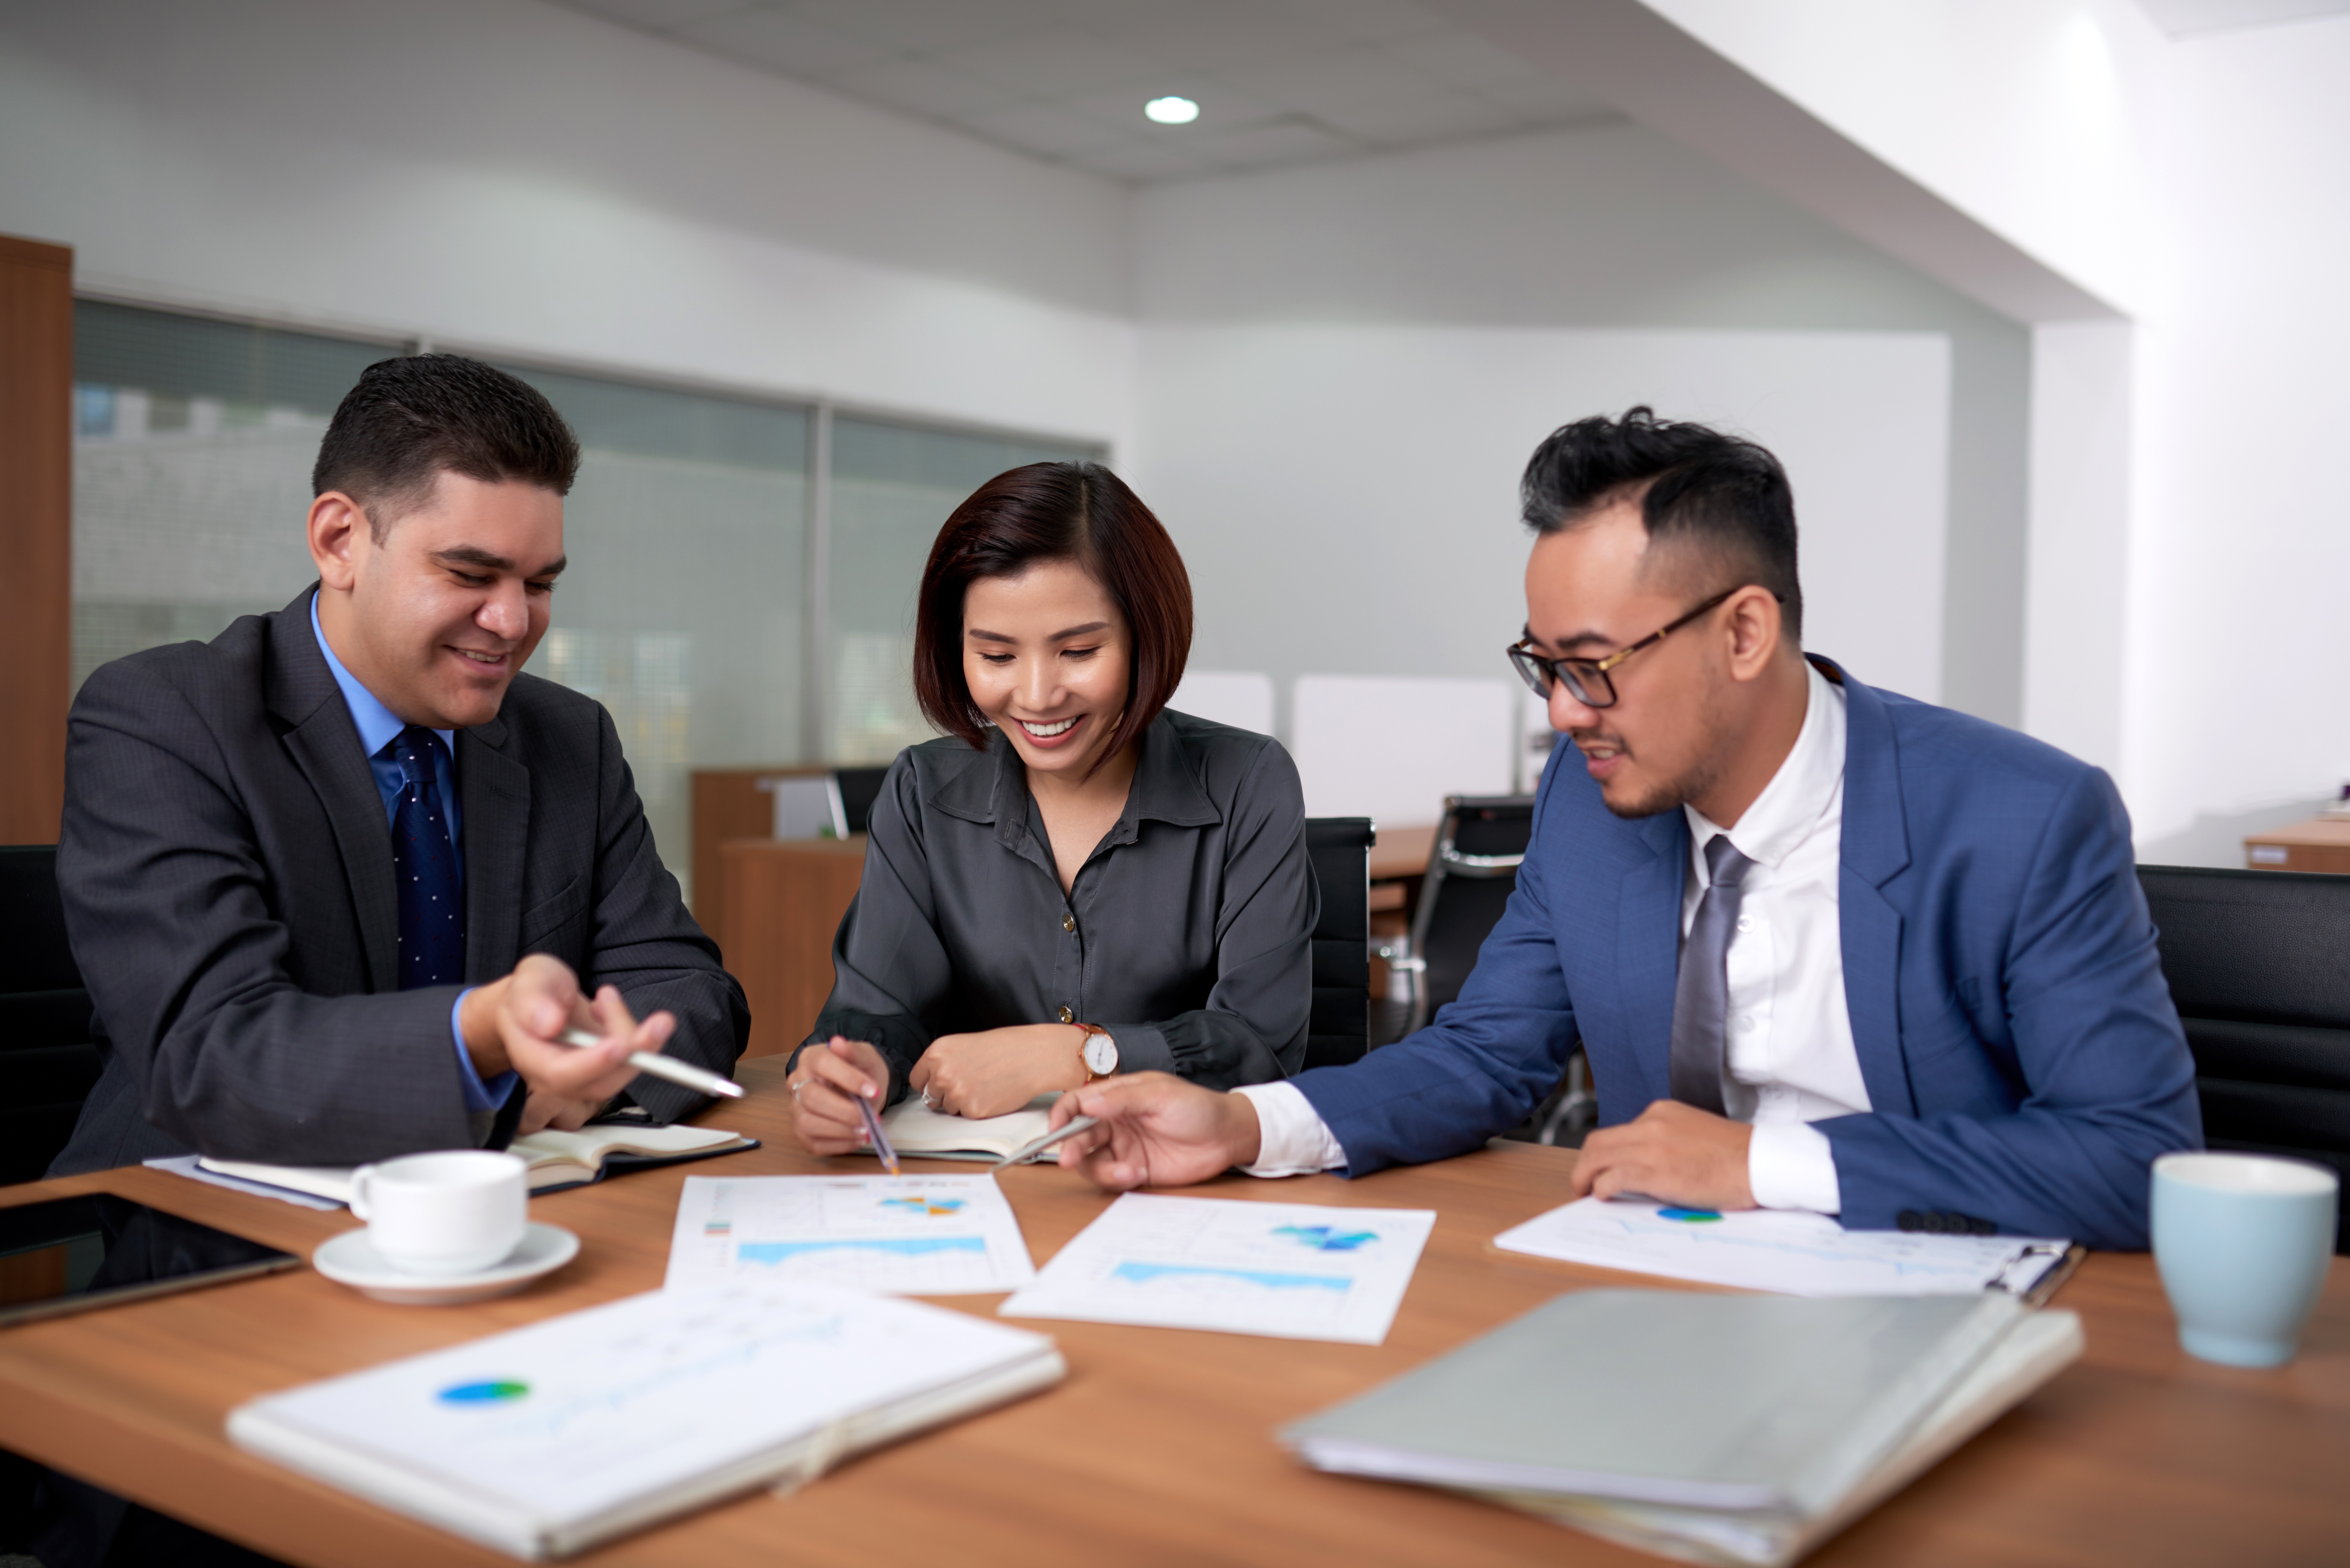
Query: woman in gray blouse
{"x":1073,"y":881}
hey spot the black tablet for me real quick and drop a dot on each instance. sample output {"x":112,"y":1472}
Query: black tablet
{"x":72,"y":1253}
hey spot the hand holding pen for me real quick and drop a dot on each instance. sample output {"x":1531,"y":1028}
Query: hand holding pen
{"x":828,"y":1084}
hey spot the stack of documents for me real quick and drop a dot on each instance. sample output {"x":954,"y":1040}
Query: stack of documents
{"x":1769,"y":1250}
{"x":548,"y":1439}
{"x":1716,"y":1429}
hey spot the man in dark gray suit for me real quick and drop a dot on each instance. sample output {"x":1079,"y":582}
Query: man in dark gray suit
{"x":338,"y":878}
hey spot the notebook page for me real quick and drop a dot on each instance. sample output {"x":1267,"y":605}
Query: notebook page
{"x":580,"y":1414}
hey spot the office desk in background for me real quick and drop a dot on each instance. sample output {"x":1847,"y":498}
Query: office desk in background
{"x":1159,"y":1449}
{"x":2320,"y":844}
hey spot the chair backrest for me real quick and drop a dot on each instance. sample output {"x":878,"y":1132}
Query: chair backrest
{"x":859,"y":787}
{"x":2259,"y":965}
{"x":1339,"y":848}
{"x":1470,"y":873}
{"x":48,"y":1066}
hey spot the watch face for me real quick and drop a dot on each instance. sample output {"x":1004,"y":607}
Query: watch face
{"x":1101,"y":1054}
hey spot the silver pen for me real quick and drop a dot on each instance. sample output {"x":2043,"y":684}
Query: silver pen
{"x":1036,"y":1146}
{"x":699,"y":1080}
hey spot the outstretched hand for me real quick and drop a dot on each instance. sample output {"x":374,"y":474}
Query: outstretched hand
{"x":1155,"y":1130}
{"x":513,"y":1023}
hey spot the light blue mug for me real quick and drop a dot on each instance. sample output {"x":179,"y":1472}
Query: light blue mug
{"x":2243,"y":1242}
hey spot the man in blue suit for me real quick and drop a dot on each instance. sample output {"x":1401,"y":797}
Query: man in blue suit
{"x":1826,"y":948}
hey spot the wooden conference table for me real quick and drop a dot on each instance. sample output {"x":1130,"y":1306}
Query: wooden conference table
{"x":1158,"y":1448}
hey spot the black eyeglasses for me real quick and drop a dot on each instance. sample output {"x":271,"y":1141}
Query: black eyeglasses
{"x":1588,"y":678}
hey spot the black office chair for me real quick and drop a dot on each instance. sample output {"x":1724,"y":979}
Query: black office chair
{"x":1470,"y":873}
{"x":2259,"y":965}
{"x":859,"y":787}
{"x":48,"y":1066}
{"x":1339,"y":848}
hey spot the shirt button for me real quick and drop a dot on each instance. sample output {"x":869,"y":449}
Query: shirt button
{"x":1745,"y":923}
{"x":1746,"y":1020}
{"x":1067,"y":1016}
{"x":1068,"y":922}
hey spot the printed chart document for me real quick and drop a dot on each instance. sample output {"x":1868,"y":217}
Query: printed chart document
{"x":894,"y":1235}
{"x":1290,"y":1270}
{"x":1772,"y":1250}
{"x":551,"y":1438}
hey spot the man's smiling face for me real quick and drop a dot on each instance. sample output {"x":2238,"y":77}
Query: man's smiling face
{"x":1596,"y":588}
{"x":436,"y":617}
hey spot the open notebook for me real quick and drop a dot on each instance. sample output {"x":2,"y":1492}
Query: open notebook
{"x":557,"y":1159}
{"x":915,"y":1129}
{"x":547,"y":1439}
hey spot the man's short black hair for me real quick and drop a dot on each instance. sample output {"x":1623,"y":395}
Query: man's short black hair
{"x":1727,"y":499}
{"x":411,"y":420}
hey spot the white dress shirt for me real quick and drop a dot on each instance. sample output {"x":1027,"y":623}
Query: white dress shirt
{"x":1790,"y":1055}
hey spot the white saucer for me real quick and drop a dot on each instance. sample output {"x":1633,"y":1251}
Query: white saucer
{"x":350,"y":1258}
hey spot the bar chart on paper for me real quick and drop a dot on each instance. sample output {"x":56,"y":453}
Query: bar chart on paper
{"x":1290,"y":1270}
{"x":896,"y":1235}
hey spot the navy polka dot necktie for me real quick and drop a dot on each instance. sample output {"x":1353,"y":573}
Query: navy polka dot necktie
{"x":424,"y":863}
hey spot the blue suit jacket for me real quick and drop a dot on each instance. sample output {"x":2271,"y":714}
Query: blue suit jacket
{"x":2024,"y":1062}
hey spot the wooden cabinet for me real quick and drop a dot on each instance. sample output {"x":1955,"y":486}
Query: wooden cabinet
{"x":779,"y":901}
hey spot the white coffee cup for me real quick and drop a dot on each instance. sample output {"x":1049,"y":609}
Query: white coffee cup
{"x":453,"y":1213}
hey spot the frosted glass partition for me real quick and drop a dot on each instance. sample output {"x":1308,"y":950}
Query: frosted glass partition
{"x":1391,"y":747}
{"x":192,"y":446}
{"x":681,"y":610}
{"x":892,"y":486}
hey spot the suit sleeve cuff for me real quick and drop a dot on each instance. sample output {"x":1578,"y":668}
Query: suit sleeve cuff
{"x":479,"y":1095}
{"x":1293,"y":1139}
{"x":1791,"y":1165}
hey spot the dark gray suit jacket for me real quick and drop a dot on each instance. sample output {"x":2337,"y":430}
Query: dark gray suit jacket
{"x":226,"y":872}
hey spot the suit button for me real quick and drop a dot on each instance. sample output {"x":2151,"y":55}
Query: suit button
{"x":1910,"y":1220}
{"x":1068,"y":922}
{"x":1067,"y":1016}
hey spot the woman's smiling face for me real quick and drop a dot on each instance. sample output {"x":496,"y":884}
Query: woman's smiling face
{"x":1047,"y":657}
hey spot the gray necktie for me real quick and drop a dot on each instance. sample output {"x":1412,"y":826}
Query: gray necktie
{"x":1702,"y":991}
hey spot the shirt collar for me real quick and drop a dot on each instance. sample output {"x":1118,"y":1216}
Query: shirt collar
{"x":1166,"y":787}
{"x":378,"y":726}
{"x":1799,"y":793}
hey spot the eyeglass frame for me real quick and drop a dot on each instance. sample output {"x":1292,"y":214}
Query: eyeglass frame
{"x":1538,"y":671}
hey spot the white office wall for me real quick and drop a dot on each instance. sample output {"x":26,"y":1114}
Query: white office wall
{"x":1344,"y":367}
{"x":506,"y":174}
{"x":2239,"y":643}
{"x":1347,"y":496}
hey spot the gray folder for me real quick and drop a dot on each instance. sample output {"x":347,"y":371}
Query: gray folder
{"x":1774,"y":1405}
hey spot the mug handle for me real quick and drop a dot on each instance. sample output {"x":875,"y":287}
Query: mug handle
{"x":358,"y":1192}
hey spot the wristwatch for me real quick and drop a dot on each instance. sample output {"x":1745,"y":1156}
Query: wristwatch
{"x":1097,"y":1050}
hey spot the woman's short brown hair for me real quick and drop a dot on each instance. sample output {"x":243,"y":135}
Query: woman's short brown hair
{"x":1077,"y":512}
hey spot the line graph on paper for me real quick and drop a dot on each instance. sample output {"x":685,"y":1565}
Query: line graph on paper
{"x":1286,"y":1270}
{"x":923,"y":1235}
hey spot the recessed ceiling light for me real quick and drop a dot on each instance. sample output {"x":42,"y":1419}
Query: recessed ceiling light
{"x":1172,"y":110}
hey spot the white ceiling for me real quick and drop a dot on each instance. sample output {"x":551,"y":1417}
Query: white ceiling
{"x":2182,"y":18}
{"x":1277,"y":81}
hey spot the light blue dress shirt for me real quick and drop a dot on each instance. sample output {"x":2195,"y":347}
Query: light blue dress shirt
{"x":378,"y":726}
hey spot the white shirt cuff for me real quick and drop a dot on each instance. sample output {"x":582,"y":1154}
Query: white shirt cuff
{"x":1292,"y":1139}
{"x":1790,"y":1164}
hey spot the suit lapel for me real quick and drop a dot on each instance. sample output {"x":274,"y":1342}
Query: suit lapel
{"x":325,"y":745}
{"x":1876,"y":849}
{"x":495,"y":827}
{"x":1648,"y":938}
